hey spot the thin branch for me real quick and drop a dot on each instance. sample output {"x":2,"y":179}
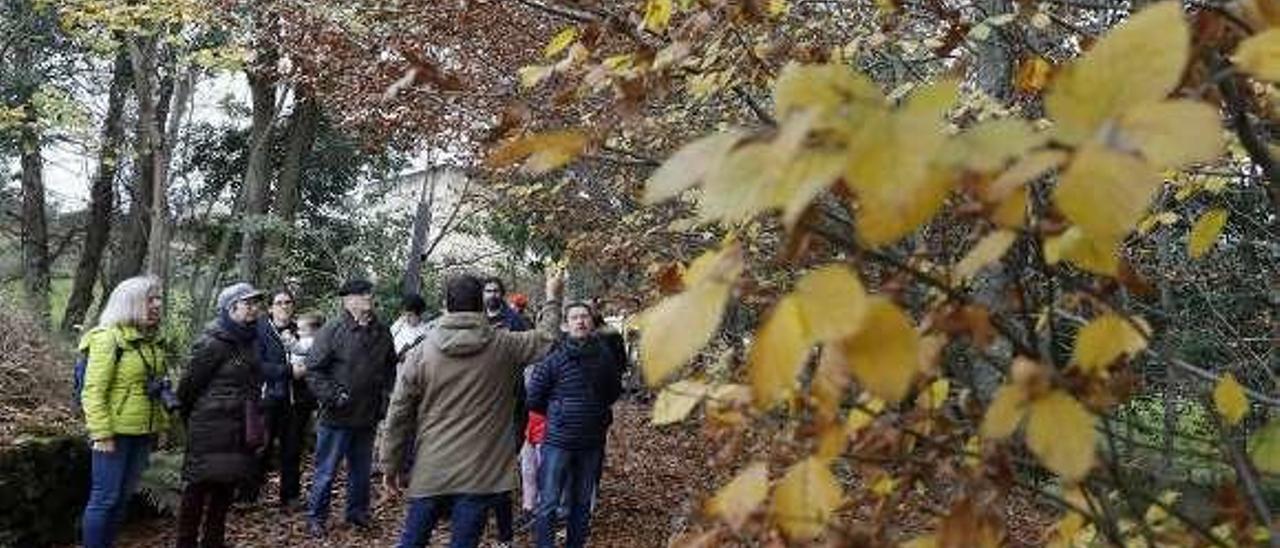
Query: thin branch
{"x":1238,"y":111}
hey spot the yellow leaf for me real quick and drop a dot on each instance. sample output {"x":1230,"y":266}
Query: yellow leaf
{"x":561,"y":41}
{"x":884,"y":485}
{"x":857,"y":420}
{"x":832,"y":303}
{"x":1259,"y":55}
{"x":830,"y":384}
{"x":989,"y":250}
{"x":828,"y":89}
{"x":1141,"y":61}
{"x":618,"y":62}
{"x":887,"y":214}
{"x":1060,"y":433}
{"x":987,"y":146}
{"x":809,"y":173}
{"x":1005,"y":412}
{"x":677,"y":400}
{"x":1011,"y":212}
{"x":736,"y":501}
{"x":926,"y":541}
{"x":936,"y":395}
{"x":778,"y":8}
{"x":1230,"y":400}
{"x":1104,"y":340}
{"x":1105,"y":193}
{"x":742,"y":185}
{"x":832,"y":441}
{"x":778,"y":353}
{"x":545,"y":151}
{"x":676,"y":328}
{"x":1025,"y":170}
{"x":804,"y":499}
{"x":1264,"y":448}
{"x":1205,"y":232}
{"x":657,"y":15}
{"x":689,"y":165}
{"x":928,"y":106}
{"x":884,"y":356}
{"x":1033,"y":74}
{"x":1170,"y":134}
{"x":1092,"y":254}
{"x":533,"y":75}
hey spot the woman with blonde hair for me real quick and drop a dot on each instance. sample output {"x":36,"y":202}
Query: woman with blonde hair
{"x":126,"y":400}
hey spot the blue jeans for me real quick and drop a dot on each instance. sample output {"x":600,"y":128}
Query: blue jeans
{"x":113,"y":478}
{"x":573,"y":473}
{"x":466,"y":518}
{"x":355,"y":445}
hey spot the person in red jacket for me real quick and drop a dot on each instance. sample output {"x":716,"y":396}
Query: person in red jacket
{"x":530,"y":457}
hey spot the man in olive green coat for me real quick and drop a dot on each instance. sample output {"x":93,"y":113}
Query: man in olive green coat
{"x":455,"y":392}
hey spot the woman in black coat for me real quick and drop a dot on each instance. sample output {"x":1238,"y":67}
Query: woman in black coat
{"x":219,"y":394}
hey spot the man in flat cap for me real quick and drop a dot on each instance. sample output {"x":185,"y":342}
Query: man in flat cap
{"x":351,"y":370}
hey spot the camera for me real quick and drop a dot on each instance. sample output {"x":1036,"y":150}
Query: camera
{"x":161,"y":390}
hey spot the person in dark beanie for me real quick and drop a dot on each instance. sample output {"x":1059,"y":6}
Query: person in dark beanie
{"x":287,"y":402}
{"x":219,"y":397}
{"x":350,"y":369}
{"x":575,"y":387}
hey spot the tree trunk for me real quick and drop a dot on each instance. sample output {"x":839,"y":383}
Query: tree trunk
{"x":412,"y":282}
{"x":102,"y":198}
{"x":35,"y":231}
{"x":158,"y":246}
{"x":301,"y":137}
{"x":262,"y":89}
{"x":132,"y":254}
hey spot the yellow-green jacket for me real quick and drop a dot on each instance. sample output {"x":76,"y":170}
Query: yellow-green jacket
{"x":115,"y":397}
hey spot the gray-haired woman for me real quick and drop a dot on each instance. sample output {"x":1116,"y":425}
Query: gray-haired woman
{"x":124,"y":399}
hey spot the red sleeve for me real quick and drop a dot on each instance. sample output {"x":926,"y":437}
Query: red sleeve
{"x":537,"y":428}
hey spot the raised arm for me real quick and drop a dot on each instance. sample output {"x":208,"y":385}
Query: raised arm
{"x":531,"y":345}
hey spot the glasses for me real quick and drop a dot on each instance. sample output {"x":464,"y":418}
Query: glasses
{"x":282,"y":303}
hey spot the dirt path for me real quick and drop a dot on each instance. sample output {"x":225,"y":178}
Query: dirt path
{"x":645,"y":495}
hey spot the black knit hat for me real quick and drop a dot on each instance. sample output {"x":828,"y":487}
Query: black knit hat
{"x":355,"y":287}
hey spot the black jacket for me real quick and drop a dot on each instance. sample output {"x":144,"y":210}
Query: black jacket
{"x":222,"y":376}
{"x":279,"y":386}
{"x":351,"y":369}
{"x":575,"y":387}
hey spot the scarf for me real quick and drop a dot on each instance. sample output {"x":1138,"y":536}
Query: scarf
{"x":241,"y":332}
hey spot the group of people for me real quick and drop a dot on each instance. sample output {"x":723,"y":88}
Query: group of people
{"x":462,"y":410}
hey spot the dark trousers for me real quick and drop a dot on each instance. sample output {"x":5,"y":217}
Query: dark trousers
{"x":572,"y":473}
{"x":504,"y":517}
{"x":333,"y":446}
{"x":205,"y":502}
{"x":286,"y":432}
{"x":466,"y":520}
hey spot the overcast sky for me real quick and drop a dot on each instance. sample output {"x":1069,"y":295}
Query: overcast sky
{"x":68,"y":167}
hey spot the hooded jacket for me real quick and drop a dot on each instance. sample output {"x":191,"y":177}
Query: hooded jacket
{"x":455,"y":392}
{"x":115,"y":397}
